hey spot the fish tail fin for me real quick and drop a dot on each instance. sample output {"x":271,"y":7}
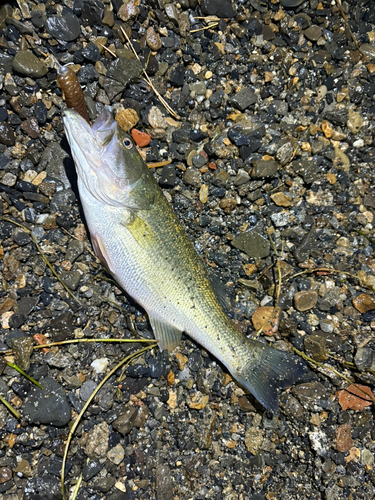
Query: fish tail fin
{"x":267,"y":370}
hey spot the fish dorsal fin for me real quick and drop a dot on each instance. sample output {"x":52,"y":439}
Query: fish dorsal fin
{"x":101,"y":252}
{"x":168,"y":336}
{"x":220,"y":292}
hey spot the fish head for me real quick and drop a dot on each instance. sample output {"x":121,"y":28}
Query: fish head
{"x":107,"y":161}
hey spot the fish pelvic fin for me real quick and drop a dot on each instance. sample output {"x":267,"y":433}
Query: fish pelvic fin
{"x":168,"y":336}
{"x":268,"y":370}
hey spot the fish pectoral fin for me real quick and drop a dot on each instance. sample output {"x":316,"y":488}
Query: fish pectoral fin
{"x":101,"y":252}
{"x":168,"y":336}
{"x":139,"y":229}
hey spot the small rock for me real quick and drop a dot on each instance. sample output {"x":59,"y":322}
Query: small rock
{"x":368,"y":50}
{"x":22,"y":349}
{"x":140,"y":138}
{"x":156,"y":118}
{"x":126,"y":118}
{"x":281,"y":199}
{"x":313,"y":33}
{"x":48,"y":405}
{"x":364,"y":303}
{"x":31,"y":127}
{"x":312,"y":395}
{"x":363,"y":358}
{"x":223,"y":8}
{"x":7,"y":136}
{"x":253,"y":244}
{"x":66,"y":27}
{"x":9,"y":179}
{"x":192,"y":177}
{"x":197,"y":401}
{"x":264,"y":168}
{"x":316,"y":347}
{"x":153,"y":39}
{"x":26,"y":63}
{"x":87,"y":388}
{"x":344,"y":439}
{"x":116,"y":454}
{"x":164,"y":483}
{"x":71,"y":279}
{"x":355,"y":122}
{"x":253,"y":439}
{"x":305,"y":300}
{"x":97,"y":442}
{"x":100,"y":365}
{"x":128,"y":11}
{"x":244,"y":98}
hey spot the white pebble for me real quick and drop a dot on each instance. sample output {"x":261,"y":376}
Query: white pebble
{"x":100,"y":365}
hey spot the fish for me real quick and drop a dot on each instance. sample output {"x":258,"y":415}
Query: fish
{"x":138,"y":238}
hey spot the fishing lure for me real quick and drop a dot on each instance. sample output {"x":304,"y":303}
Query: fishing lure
{"x":73,"y":94}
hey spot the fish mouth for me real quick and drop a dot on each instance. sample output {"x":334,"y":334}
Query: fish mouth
{"x":89,"y":144}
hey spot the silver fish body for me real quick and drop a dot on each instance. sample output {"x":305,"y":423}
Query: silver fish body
{"x":139,"y":239}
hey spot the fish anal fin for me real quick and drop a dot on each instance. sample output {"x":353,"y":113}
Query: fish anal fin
{"x":101,"y":252}
{"x":168,"y":335}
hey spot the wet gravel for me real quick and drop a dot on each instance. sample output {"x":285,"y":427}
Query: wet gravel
{"x":275,"y":105}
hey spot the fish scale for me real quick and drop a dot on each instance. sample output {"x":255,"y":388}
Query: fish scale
{"x":139,"y":239}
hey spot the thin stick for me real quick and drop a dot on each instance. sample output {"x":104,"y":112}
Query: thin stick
{"x":311,"y":360}
{"x":77,"y":421}
{"x":10,"y":407}
{"x":148,"y":80}
{"x":17,"y":368}
{"x":43,"y":256}
{"x":157,"y":164}
{"x":205,"y":28}
{"x":108,"y":50}
{"x":347,"y":23}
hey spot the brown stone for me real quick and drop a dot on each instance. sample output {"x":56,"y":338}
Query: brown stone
{"x":344,"y":438}
{"x":364,"y":303}
{"x":305,"y":300}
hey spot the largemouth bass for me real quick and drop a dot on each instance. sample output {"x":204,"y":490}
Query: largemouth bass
{"x":140,"y":241}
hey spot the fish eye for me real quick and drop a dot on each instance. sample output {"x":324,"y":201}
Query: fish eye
{"x":127,"y":143}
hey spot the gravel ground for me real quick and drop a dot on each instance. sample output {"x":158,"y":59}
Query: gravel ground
{"x":275,"y":104}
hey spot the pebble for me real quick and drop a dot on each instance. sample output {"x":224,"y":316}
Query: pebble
{"x":26,"y":63}
{"x":48,"y":405}
{"x":253,"y":439}
{"x":156,"y":118}
{"x":344,"y":439}
{"x":253,"y":244}
{"x":128,"y":10}
{"x":164,"y":483}
{"x":100,"y":365}
{"x":264,"y":168}
{"x":364,"y":303}
{"x":282,"y":199}
{"x":153,"y":39}
{"x":97,"y":441}
{"x":142,"y":139}
{"x":65,"y":28}
{"x":116,"y":454}
{"x":7,"y":135}
{"x":127,"y":118}
{"x":305,"y":300}
{"x":313,"y":33}
{"x":197,"y":401}
{"x":31,"y":127}
{"x":87,"y":388}
{"x":368,"y":50}
{"x":9,"y":179}
{"x":223,"y":9}
{"x":244,"y":98}
{"x":23,"y":349}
